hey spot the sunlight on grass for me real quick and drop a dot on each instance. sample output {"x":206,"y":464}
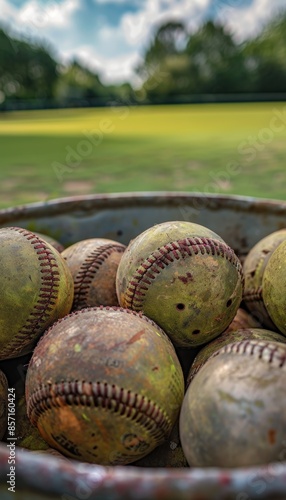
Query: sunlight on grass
{"x":48,"y":154}
{"x":179,"y":122}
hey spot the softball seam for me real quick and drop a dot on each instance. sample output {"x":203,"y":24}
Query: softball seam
{"x":253,"y":295}
{"x":88,"y":270}
{"x":124,"y":402}
{"x":275,"y":355}
{"x":165,"y":255}
{"x":47,"y":294}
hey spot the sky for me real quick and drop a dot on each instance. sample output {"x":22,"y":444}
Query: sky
{"x":110,"y":36}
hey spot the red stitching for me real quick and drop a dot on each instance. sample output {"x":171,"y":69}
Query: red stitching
{"x":163,"y":256}
{"x":47,"y":294}
{"x":100,"y":394}
{"x":257,"y":349}
{"x":89,"y":268}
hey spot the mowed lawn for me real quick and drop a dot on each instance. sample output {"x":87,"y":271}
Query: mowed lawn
{"x":210,"y":148}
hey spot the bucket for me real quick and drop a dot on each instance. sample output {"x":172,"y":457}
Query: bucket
{"x":241,"y":222}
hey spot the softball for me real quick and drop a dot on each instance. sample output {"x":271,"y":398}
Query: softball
{"x":253,"y":268}
{"x":228,"y":338}
{"x":274,"y":287}
{"x":36,"y":290}
{"x":233,"y":411}
{"x":184,"y":277}
{"x":104,"y":385}
{"x":93,"y":264}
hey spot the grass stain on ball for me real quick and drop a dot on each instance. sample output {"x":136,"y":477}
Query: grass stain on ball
{"x":253,"y":268}
{"x":116,"y":399}
{"x":274,"y":287}
{"x":184,"y":277}
{"x":36,"y":290}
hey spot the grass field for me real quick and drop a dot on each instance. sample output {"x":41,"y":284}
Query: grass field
{"x":216,"y":148}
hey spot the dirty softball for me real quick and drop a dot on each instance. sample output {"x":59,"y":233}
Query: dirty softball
{"x":93,"y":264}
{"x":228,"y":337}
{"x":274,"y":287}
{"x":233,"y":411}
{"x":104,"y":385}
{"x":184,"y":277}
{"x":253,"y":268}
{"x":36,"y":290}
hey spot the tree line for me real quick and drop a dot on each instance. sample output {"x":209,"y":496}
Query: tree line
{"x":211,"y":62}
{"x":175,"y":64}
{"x":30,"y":71}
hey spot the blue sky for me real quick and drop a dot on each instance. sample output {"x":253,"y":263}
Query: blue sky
{"x":110,"y":35}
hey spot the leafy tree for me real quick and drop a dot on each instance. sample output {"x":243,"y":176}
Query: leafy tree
{"x":165,"y":65}
{"x":216,"y":62}
{"x":77,"y":82}
{"x":169,"y":39}
{"x":265,"y":57}
{"x":29,"y":71}
{"x":211,"y":61}
{"x":26,"y":71}
{"x":175,"y":64}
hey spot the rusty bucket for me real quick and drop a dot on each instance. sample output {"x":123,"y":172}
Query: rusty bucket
{"x":241,"y":222}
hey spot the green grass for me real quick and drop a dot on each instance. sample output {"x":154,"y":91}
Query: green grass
{"x":174,"y":148}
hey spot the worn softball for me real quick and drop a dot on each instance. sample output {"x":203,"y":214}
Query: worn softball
{"x":274,"y":287}
{"x":233,"y":411}
{"x":184,"y":277}
{"x":104,"y":385}
{"x":36,"y":290}
{"x":93,"y":264}
{"x":253,"y":268}
{"x":3,"y":404}
{"x":228,"y":337}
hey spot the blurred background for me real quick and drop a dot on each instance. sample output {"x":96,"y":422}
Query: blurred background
{"x":101,"y":96}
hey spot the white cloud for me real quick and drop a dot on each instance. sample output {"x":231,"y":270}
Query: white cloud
{"x":134,"y":32}
{"x":7,"y":11}
{"x":47,"y":15}
{"x":34,"y":16}
{"x":112,"y":69}
{"x":247,"y":21}
{"x":138,"y":26}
